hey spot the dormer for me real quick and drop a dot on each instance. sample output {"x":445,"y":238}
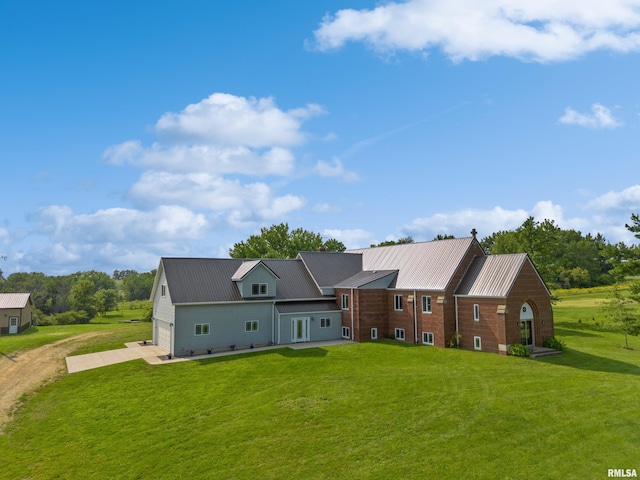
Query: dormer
{"x":255,"y":280}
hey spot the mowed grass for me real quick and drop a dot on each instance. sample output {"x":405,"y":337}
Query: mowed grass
{"x":110,"y":322}
{"x":370,"y":410}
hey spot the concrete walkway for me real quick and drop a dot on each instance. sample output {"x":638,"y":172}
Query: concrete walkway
{"x":155,"y":355}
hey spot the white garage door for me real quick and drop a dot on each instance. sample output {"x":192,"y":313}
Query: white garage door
{"x":163,"y":337}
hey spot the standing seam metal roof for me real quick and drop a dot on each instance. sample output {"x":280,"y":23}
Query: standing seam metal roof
{"x":492,"y":276}
{"x":422,"y":266}
{"x":14,"y":300}
{"x":207,"y":280}
{"x":329,"y":269}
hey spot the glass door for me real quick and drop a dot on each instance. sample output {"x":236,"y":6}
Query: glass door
{"x":526,"y":332}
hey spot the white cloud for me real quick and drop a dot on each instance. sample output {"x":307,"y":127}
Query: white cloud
{"x":4,"y":236}
{"x":600,"y":117}
{"x":627,"y":199}
{"x":335,"y":168}
{"x":541,"y":31}
{"x":206,"y":191}
{"x":326,"y":208}
{"x":352,"y":238}
{"x":122,"y":225}
{"x":226,"y":119}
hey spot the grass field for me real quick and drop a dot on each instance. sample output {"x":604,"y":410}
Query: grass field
{"x":371,"y":410}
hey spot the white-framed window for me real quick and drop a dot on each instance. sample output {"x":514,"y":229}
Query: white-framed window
{"x":374,"y":334}
{"x":325,"y":322}
{"x":258,"y":289}
{"x":477,"y":343}
{"x":476,"y":312}
{"x":163,"y":290}
{"x":345,"y":301}
{"x":397,"y":302}
{"x":427,"y":338}
{"x":346,"y":332}
{"x":251,"y":326}
{"x":426,"y":304}
{"x":399,"y":333}
{"x":201,"y":329}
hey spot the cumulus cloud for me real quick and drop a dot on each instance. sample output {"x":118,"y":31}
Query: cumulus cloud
{"x":627,"y":199}
{"x":121,"y":225}
{"x":226,"y":119}
{"x":600,"y":117}
{"x":540,"y":31}
{"x":4,"y":235}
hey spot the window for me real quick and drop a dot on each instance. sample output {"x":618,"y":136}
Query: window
{"x":325,"y":322}
{"x":397,"y":302}
{"x":251,"y":326}
{"x":477,"y":343}
{"x":426,"y":304}
{"x":399,"y":333}
{"x":345,"y":301}
{"x":202,"y":329}
{"x":164,"y":290}
{"x":476,"y":312}
{"x":346,"y":332}
{"x":374,"y":334}
{"x":258,"y":289}
{"x":427,"y":337}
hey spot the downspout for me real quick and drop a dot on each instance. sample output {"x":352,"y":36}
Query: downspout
{"x":457,"y":334}
{"x":273,"y":322}
{"x":415,"y":316}
{"x":353,"y":332}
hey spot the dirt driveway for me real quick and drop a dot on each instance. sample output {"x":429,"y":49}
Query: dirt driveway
{"x":25,"y":371}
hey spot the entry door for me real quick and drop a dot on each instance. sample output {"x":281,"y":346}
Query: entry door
{"x":13,"y":324}
{"x":300,"y":330}
{"x":526,"y":332}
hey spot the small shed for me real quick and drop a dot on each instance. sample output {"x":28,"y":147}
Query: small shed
{"x":16,"y":313}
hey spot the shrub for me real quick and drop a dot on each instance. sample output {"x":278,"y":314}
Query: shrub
{"x":72,"y":317}
{"x":46,"y":320}
{"x":518,"y":350}
{"x":552,"y":342}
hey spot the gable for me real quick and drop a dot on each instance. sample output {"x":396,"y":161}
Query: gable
{"x":15,"y":300}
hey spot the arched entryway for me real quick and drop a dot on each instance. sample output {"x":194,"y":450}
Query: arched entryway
{"x":526,"y":325}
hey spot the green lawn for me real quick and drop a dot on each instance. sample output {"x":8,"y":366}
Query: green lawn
{"x":372,"y":410}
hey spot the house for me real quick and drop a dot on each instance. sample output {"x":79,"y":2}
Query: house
{"x":440,"y":293}
{"x":16,"y":312}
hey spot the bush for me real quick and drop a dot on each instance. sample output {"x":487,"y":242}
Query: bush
{"x":518,"y":350}
{"x":46,"y":320}
{"x":552,"y":342}
{"x":72,"y":317}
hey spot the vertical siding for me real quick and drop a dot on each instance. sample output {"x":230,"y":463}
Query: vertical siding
{"x":162,"y":306}
{"x":316,"y":334}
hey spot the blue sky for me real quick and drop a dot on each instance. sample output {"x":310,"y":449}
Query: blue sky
{"x":135,"y":130}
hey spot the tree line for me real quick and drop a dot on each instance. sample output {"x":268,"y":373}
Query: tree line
{"x":81,"y":296}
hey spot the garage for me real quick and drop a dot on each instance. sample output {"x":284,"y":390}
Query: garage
{"x":163,"y":334}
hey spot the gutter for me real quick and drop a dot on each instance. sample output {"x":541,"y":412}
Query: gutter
{"x":415,"y":316}
{"x":353,"y":301}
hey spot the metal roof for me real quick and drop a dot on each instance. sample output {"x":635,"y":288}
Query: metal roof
{"x":207,"y":280}
{"x":306,"y":307}
{"x":492,"y":276}
{"x":246,"y":267}
{"x":14,"y":300}
{"x":329,"y":269}
{"x":422,"y":266}
{"x":364,"y":278}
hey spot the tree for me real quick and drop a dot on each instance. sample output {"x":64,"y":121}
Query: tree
{"x":400,"y":241}
{"x":278,"y":242}
{"x":444,"y":237}
{"x":137,"y":286}
{"x":106,"y":300}
{"x":81,"y":297}
{"x":621,"y":311}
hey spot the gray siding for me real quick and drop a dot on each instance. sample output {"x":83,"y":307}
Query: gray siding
{"x":260,"y":274}
{"x":316,"y":333}
{"x":226,"y":325}
{"x":162,"y":306}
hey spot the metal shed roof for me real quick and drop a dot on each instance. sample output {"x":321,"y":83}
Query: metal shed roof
{"x":14,"y":300}
{"x":246,"y":267}
{"x":422,"y":266}
{"x":492,"y":276}
{"x":329,"y":268}
{"x":366,"y":277}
